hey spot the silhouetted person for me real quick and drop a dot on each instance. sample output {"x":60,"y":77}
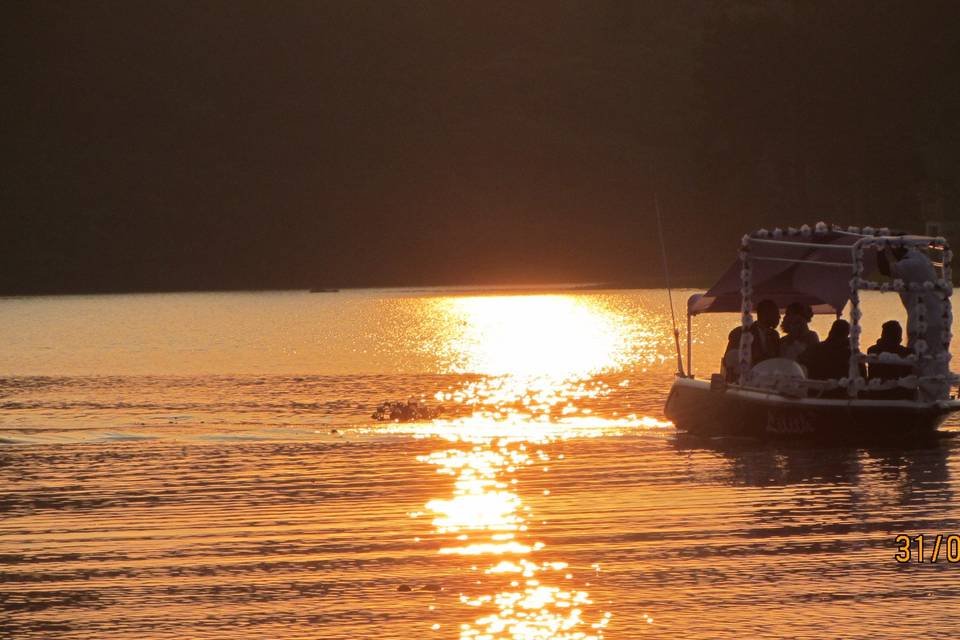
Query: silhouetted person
{"x":831,"y":358}
{"x":891,"y":336}
{"x":913,"y":267}
{"x":798,"y":336}
{"x":766,"y":340}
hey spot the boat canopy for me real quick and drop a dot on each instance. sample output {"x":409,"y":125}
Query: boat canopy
{"x":827,"y":267}
{"x":807,"y":265}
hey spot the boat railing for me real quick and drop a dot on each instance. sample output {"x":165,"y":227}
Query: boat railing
{"x":891,"y":358}
{"x":794,"y":387}
{"x":855,"y":382}
{"x":941,"y":287}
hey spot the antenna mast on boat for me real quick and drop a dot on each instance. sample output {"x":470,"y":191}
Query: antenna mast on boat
{"x":666,"y":275}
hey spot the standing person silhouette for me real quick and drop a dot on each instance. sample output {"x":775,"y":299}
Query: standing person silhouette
{"x":925,"y":316}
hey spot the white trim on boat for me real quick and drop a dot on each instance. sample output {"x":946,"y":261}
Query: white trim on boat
{"x":805,"y":245}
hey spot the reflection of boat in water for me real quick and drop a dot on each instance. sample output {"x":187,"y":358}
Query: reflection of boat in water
{"x":757,"y":463}
{"x":825,"y":268}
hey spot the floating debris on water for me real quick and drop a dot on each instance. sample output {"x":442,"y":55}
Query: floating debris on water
{"x":406,"y":411}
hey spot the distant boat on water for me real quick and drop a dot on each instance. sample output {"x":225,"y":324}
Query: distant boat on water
{"x":324,"y":290}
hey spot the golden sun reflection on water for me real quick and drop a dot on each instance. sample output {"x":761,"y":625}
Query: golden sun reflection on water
{"x":518,"y":596}
{"x":540,"y":356}
{"x":557,"y":336}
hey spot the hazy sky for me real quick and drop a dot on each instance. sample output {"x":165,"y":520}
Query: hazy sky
{"x":193,"y":145}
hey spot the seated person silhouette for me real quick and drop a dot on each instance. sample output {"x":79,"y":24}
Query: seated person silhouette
{"x":798,"y":336}
{"x":830,"y":360}
{"x":891,"y":336}
{"x":766,"y":340}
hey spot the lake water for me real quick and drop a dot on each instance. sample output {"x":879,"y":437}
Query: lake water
{"x":205,"y":466}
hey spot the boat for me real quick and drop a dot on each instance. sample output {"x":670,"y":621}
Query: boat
{"x":825,"y":267}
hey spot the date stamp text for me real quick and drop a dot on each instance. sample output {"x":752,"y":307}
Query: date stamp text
{"x":928,"y":548}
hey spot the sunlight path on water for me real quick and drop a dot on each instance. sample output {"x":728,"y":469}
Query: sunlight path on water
{"x":518,"y":594}
{"x":204,"y":466}
{"x":554,"y":336}
{"x":540,"y":354}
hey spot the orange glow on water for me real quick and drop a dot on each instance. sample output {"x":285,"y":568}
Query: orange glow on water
{"x":187,"y":465}
{"x":553,"y":336}
{"x":540,"y":356}
{"x":518,"y":597}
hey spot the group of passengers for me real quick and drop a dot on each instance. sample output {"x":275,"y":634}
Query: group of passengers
{"x":829,"y":359}
{"x":928,"y":316}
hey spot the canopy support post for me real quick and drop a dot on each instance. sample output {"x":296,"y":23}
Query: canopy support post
{"x":853,"y":372}
{"x":746,"y":306}
{"x":946,"y":272}
{"x":689,"y":347}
